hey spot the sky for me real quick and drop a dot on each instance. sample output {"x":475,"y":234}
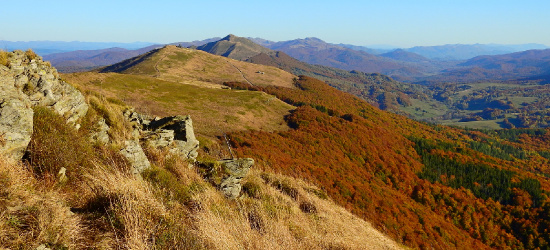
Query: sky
{"x":400,"y":23}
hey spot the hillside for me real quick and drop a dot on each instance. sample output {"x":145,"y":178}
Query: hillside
{"x":429,"y":186}
{"x":85,"y":60}
{"x":188,"y":65}
{"x":425,"y":186}
{"x":74,"y":190}
{"x":190,"y":81}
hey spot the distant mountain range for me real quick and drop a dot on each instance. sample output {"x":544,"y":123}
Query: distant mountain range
{"x":530,"y":64}
{"x":426,"y":64}
{"x":445,"y":63}
{"x":43,"y":48}
{"x":467,"y":51}
{"x":82,"y":60}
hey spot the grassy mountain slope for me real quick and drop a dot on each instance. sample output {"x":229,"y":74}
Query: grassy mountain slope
{"x":188,"y":66}
{"x":213,"y":110}
{"x":101,"y":205}
{"x":425,"y":186}
{"x":189,"y":81}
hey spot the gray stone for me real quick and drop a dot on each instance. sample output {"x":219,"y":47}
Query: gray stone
{"x":184,"y":142}
{"x":16,"y":117}
{"x":101,"y":133}
{"x":15,"y":128}
{"x":159,"y":138}
{"x":135,"y":156}
{"x":25,"y":84}
{"x":234,"y":170}
{"x":43,"y":247}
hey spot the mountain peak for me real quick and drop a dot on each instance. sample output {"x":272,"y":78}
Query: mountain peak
{"x":230,"y":37}
{"x":235,"y":47}
{"x":315,"y":39}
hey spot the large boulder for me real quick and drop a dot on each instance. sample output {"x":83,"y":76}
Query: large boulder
{"x":15,"y":119}
{"x":25,"y":82}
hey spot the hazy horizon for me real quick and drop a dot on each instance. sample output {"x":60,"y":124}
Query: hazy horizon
{"x":372,"y":46}
{"x":395,"y":23}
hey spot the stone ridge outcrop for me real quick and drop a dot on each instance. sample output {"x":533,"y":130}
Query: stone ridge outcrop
{"x":26,"y":81}
{"x":174,"y":132}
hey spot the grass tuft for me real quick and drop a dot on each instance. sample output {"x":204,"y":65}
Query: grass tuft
{"x":56,"y":144}
{"x":4,"y":58}
{"x":30,"y":54}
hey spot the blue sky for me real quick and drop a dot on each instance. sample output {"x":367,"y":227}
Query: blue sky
{"x":403,"y":23}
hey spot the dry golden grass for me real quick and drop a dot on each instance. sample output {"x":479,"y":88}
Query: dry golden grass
{"x":31,"y":215}
{"x":276,"y":221}
{"x":115,"y":210}
{"x":4,"y":60}
{"x":30,"y":54}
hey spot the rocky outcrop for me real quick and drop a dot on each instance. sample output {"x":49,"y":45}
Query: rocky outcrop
{"x":25,"y":82}
{"x":226,"y":175}
{"x":15,"y":124}
{"x":175,"y":133}
{"x":175,"y":130}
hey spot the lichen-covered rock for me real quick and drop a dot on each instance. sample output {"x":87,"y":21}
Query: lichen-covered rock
{"x":15,"y":117}
{"x":174,"y":132}
{"x":27,"y":82}
{"x":234,"y":171}
{"x":159,"y":138}
{"x":226,"y":175}
{"x":39,"y":83}
{"x":184,"y":141}
{"x":15,"y":127}
{"x":101,"y":134}
{"x":135,"y":156}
